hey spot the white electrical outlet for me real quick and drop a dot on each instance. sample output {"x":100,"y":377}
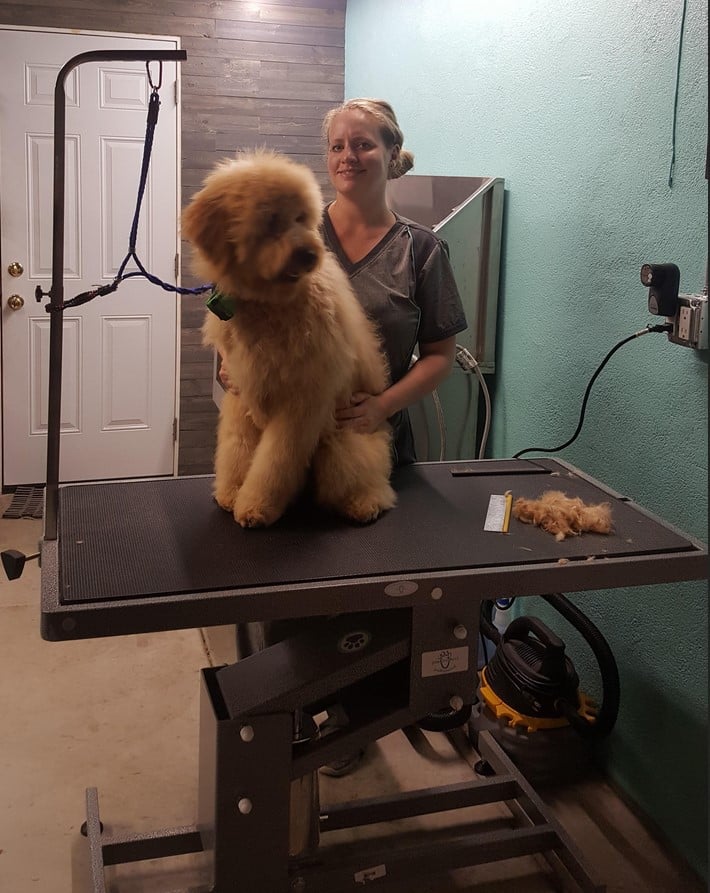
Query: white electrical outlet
{"x":690,"y":324}
{"x":685,"y":317}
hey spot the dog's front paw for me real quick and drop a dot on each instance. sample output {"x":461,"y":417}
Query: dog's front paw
{"x":225,"y":498}
{"x":253,"y":513}
{"x":367,"y":508}
{"x":363,"y":513}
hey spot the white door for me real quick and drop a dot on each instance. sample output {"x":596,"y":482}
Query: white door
{"x":119,"y":363}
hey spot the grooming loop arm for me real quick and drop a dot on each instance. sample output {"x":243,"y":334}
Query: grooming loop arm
{"x":56,"y":320}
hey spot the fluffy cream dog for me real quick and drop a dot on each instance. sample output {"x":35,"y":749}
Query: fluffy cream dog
{"x":298,"y":343}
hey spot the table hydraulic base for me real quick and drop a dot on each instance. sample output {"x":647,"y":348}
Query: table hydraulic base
{"x":253,"y":821}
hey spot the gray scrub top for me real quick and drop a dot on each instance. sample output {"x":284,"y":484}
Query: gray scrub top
{"x":407,"y":287}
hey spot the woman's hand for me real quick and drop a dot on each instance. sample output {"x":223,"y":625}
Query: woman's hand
{"x":224,"y":378}
{"x":365,"y":413}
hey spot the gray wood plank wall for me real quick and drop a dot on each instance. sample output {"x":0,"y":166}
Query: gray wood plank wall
{"x":256,"y":75}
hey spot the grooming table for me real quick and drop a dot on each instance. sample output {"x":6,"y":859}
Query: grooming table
{"x":395,"y":608}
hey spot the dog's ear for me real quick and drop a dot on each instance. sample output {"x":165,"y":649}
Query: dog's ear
{"x":204,"y":223}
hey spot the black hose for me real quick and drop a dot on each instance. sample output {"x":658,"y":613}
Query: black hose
{"x":611,"y":688}
{"x":487,"y":628}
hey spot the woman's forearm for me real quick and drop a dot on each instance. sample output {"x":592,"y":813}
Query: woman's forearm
{"x":421,"y":379}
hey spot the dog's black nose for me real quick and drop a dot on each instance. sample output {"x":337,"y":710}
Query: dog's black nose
{"x":303,"y":259}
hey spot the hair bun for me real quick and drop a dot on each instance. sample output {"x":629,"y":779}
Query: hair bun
{"x":401,"y":164}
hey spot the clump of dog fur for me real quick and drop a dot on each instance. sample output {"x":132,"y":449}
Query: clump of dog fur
{"x":298,"y":345}
{"x":563,"y":515}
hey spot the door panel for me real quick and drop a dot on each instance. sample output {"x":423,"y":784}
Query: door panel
{"x":119,"y":363}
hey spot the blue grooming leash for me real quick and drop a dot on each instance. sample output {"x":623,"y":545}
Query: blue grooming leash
{"x":86,"y":296}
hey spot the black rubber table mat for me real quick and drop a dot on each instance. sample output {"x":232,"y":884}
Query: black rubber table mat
{"x":159,"y":537}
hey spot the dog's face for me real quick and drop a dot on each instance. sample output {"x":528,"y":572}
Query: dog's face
{"x":255,"y":226}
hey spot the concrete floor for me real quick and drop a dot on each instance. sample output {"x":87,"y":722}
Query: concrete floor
{"x":121,"y":714}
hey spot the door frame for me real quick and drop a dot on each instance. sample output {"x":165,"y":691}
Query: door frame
{"x":80,"y":33}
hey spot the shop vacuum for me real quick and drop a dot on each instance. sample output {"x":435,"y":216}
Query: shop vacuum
{"x":529,"y":697}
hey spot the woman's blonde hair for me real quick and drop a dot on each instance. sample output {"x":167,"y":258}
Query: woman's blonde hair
{"x":390,"y":130}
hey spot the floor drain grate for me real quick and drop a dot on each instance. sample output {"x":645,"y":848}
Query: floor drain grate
{"x":27,"y":502}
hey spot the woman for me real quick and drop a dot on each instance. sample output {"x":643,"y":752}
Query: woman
{"x":401,"y":274}
{"x":399,"y":269}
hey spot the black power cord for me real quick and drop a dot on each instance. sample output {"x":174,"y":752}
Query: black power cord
{"x":663,"y":327}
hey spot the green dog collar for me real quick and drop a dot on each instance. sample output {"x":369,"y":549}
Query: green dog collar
{"x":221,"y":305}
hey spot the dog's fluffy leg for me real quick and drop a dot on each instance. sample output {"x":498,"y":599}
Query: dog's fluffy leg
{"x":351,"y":474}
{"x":278,"y":469}
{"x":237,"y":438}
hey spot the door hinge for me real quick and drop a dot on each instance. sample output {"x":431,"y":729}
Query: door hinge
{"x":175,"y":430}
{"x":176,"y":266}
{"x":176,"y":92}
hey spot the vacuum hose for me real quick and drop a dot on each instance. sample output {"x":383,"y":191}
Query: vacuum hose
{"x":611,"y":688}
{"x":487,"y":627}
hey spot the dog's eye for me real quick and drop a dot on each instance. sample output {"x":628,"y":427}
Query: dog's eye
{"x":273,"y":224}
{"x":301,"y":218}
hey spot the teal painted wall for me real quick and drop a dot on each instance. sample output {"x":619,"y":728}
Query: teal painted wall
{"x":572,"y":103}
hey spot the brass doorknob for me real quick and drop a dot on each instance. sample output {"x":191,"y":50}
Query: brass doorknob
{"x":15,"y":268}
{"x":15,"y":302}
